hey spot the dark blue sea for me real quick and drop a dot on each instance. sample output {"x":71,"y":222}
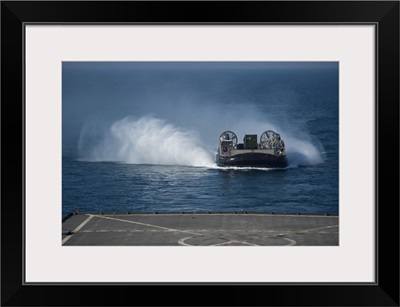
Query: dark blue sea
{"x":146,"y":141}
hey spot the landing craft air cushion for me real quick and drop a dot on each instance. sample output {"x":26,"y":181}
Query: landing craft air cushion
{"x":268,"y":153}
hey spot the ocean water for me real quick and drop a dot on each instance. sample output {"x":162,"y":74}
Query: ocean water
{"x":153,"y":149}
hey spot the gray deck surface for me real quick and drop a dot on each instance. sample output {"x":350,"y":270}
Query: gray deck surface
{"x":197,"y":229}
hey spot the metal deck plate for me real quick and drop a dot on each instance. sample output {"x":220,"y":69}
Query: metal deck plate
{"x":200,"y":230}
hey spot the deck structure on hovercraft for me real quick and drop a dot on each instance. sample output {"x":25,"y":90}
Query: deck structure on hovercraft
{"x":269,"y":152}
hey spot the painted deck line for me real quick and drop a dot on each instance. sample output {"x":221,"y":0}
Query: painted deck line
{"x":77,"y":229}
{"x":206,"y":229}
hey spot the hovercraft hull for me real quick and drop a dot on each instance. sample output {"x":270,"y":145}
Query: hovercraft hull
{"x":252,"y":160}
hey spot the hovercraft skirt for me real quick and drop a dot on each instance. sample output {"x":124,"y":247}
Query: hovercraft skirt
{"x":252,"y":160}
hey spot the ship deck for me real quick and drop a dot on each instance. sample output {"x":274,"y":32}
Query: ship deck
{"x":200,"y":229}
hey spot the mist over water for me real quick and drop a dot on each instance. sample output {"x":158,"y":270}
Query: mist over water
{"x":174,"y":113}
{"x":147,"y":140}
{"x":151,"y":140}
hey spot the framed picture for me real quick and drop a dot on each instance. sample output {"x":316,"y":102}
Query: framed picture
{"x":241,"y":146}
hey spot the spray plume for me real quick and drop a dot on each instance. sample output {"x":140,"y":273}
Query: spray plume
{"x":147,"y":140}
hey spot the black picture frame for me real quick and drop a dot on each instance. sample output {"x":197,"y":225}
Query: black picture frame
{"x":383,"y":14}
